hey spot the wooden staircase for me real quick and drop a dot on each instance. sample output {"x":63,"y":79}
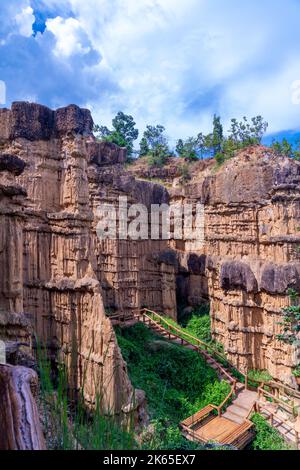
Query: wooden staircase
{"x":211,"y":424}
{"x":239,"y":409}
{"x":227,"y":424}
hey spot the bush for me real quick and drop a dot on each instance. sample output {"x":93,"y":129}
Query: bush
{"x":267,"y":438}
{"x":259,"y":375}
{"x":159,"y":155}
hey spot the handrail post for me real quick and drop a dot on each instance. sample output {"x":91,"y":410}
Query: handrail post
{"x":246,"y":382}
{"x":297,"y":440}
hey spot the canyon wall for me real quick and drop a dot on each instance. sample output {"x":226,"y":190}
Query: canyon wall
{"x":49,"y":254}
{"x":57,"y":273}
{"x":61,"y":280}
{"x":250,"y":257}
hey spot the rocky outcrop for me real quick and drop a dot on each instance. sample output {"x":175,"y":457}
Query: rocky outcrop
{"x":61,"y":274}
{"x":20,"y":427}
{"x":35,"y":122}
{"x":237,"y":275}
{"x":252,"y":215}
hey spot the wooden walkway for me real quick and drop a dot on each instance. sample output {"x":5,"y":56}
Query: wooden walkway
{"x":231,"y":428}
{"x":228,"y":423}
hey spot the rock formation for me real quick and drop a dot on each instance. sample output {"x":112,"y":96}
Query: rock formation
{"x":61,"y":280}
{"x":250,"y":256}
{"x":58,"y":271}
{"x":20,"y":427}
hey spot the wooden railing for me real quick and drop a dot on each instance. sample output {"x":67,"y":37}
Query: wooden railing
{"x":290,"y":408}
{"x":226,"y":400}
{"x":201,"y":345}
{"x":183,"y":335}
{"x":284,"y":389}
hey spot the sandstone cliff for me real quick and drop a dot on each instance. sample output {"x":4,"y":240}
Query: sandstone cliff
{"x":61,"y":281}
{"x":47,"y":257}
{"x":55,"y":175}
{"x":250,"y":257}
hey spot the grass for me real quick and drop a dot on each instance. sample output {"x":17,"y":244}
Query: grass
{"x":259,"y":375}
{"x":70,"y":426}
{"x":177,"y":382}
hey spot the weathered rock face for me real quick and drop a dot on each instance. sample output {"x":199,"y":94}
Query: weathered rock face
{"x":47,"y":249}
{"x":61,"y":274}
{"x":131,"y":274}
{"x":252,"y":213}
{"x":20,"y":427}
{"x":54,"y":176}
{"x":14,"y":327}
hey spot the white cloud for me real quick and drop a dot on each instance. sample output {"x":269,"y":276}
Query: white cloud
{"x":69,"y":36}
{"x":177,"y":63}
{"x":24,"y":21}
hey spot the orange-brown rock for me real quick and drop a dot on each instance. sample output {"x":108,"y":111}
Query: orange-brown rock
{"x":20,"y":427}
{"x":252,"y":215}
{"x":64,"y":277}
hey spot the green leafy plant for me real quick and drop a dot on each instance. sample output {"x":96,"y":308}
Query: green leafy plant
{"x":259,"y":375}
{"x":267,"y":438}
{"x":291,"y":320}
{"x":286,"y":148}
{"x":296,"y":371}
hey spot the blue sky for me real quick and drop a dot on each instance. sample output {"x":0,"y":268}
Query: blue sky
{"x":163,"y":61}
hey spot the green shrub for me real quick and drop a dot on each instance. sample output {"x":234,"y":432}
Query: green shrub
{"x":200,"y":327}
{"x":267,"y":438}
{"x":259,"y":375}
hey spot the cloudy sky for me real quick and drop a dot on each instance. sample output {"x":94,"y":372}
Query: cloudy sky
{"x":172,"y":62}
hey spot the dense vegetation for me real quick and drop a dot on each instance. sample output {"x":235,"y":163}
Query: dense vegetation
{"x":177,"y":381}
{"x":266,"y":437}
{"x":154,"y":142}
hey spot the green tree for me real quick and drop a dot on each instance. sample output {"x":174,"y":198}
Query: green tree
{"x":102,"y":132}
{"x":155,"y":143}
{"x":188,"y":149}
{"x":123,"y":133}
{"x":159,"y":155}
{"x":217,"y":137}
{"x":154,"y":136}
{"x":144,"y":147}
{"x":124,"y":126}
{"x":286,"y":148}
{"x":180,"y":147}
{"x":244,"y":133}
